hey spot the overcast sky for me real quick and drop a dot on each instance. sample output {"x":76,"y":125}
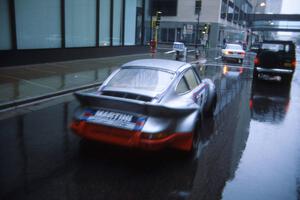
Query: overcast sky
{"x":290,"y":7}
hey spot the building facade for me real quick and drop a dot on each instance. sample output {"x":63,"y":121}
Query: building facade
{"x":218,"y":20}
{"x":51,"y":30}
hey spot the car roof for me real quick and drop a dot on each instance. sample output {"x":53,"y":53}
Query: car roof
{"x":278,"y":41}
{"x":162,"y":64}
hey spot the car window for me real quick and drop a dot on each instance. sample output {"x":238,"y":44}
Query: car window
{"x":234,"y":47}
{"x":182,"y":86}
{"x":287,"y":48}
{"x":142,"y":79}
{"x":191,"y":79}
{"x":273,"y":47}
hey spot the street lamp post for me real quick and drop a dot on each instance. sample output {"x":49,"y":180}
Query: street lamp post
{"x":197,"y":29}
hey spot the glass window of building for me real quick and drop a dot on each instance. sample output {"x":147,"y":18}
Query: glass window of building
{"x":171,"y":35}
{"x":5,"y":31}
{"x":236,"y":14}
{"x":230,"y":11}
{"x":139,"y":22}
{"x":80,"y":23}
{"x":163,"y":35}
{"x":147,"y":23}
{"x":117,"y":22}
{"x":133,"y":22}
{"x":167,"y":7}
{"x":224,"y":9}
{"x":241,"y":18}
{"x":38,"y":24}
{"x":104,"y":26}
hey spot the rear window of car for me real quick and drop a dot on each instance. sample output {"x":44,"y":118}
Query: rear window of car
{"x":141,"y":78}
{"x":272,"y":47}
{"x":276,"y":47}
{"x":234,"y":47}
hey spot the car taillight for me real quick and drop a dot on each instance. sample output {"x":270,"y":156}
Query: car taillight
{"x":241,"y":70}
{"x":87,"y":114}
{"x":294,"y":63}
{"x":251,"y":104}
{"x":256,"y":61}
{"x":228,"y":52}
{"x":225,"y":69}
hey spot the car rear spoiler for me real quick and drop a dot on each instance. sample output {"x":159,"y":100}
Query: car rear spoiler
{"x":94,"y":100}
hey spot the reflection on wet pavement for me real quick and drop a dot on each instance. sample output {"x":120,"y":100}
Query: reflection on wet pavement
{"x":269,"y":101}
{"x":241,"y":154}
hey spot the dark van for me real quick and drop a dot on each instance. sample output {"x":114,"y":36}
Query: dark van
{"x":274,"y":58}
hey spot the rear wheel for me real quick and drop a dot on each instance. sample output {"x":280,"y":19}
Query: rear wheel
{"x":212,"y":108}
{"x":255,"y":74}
{"x":287,"y":78}
{"x":196,"y":137}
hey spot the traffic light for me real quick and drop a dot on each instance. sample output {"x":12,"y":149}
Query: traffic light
{"x":158,"y":17}
{"x":198,"y":6}
{"x":206,"y":27}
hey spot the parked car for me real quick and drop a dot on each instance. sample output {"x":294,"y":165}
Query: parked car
{"x":233,"y":52}
{"x":275,"y":58}
{"x":148,"y":104}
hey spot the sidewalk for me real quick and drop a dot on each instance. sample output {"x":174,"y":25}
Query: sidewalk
{"x":25,"y":83}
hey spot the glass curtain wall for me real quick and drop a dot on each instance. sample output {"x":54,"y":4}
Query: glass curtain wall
{"x":38,"y":24}
{"x":117,"y":22}
{"x":80,"y":23}
{"x":130,"y":22}
{"x":139,"y":22}
{"x":104,"y":26}
{"x":133,"y":22}
{"x":147,"y":22}
{"x":5,"y":31}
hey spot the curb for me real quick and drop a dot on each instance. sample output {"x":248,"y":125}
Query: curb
{"x":20,"y":102}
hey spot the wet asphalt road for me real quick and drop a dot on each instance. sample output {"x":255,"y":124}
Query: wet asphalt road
{"x":249,"y":150}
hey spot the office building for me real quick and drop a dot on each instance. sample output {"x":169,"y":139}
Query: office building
{"x":33,"y":31}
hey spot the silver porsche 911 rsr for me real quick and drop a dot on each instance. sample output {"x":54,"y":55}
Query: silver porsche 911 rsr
{"x":149,"y":104}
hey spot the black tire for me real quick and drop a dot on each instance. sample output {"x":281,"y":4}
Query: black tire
{"x":255,"y":74}
{"x":287,"y":79}
{"x":211,"y":110}
{"x":196,"y":138}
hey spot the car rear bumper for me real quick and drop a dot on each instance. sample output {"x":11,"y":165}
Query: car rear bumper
{"x":233,"y":56}
{"x":121,"y":137}
{"x":274,"y":70}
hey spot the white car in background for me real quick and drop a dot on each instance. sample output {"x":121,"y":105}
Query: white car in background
{"x":233,"y":52}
